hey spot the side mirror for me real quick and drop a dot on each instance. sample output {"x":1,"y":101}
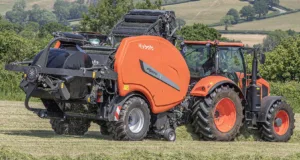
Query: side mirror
{"x":262,"y":58}
{"x":183,"y":48}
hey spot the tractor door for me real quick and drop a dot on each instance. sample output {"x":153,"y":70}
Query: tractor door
{"x":232,"y":65}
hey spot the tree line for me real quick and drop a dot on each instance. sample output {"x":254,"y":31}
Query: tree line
{"x":259,"y":9}
{"x":62,"y":11}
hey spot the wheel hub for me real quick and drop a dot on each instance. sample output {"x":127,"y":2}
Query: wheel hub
{"x":281,"y":122}
{"x":136,"y":120}
{"x":278,"y":122}
{"x":225,"y":115}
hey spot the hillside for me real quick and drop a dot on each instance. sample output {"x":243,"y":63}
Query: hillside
{"x":293,"y":4}
{"x":205,"y":11}
{"x":6,"y":5}
{"x":284,"y":22}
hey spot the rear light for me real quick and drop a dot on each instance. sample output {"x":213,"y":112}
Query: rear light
{"x":99,"y":97}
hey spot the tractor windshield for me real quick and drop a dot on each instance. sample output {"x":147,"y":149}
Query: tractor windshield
{"x":199,"y":60}
{"x":230,"y":59}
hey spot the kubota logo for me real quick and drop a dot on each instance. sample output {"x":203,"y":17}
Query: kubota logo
{"x":146,"y":47}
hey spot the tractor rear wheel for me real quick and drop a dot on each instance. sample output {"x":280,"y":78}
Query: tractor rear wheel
{"x":134,"y":121}
{"x":70,"y":126}
{"x":280,"y":123}
{"x":218,"y":116}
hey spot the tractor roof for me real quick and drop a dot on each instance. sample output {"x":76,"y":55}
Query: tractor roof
{"x":224,"y":44}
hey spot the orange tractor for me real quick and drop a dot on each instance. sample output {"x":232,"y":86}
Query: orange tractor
{"x":225,"y":97}
{"x":142,"y":85}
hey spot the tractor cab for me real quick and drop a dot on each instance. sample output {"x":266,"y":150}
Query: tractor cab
{"x":205,"y":58}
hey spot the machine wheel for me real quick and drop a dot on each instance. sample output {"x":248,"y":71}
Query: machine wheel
{"x":104,"y":130}
{"x":70,"y":127}
{"x":134,"y":121}
{"x":218,"y":116}
{"x":280,"y":123}
{"x":170,"y":135}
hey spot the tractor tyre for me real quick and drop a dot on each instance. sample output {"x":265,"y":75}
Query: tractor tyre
{"x":218,"y":116}
{"x":134,"y":121}
{"x":70,"y":126}
{"x":280,"y":123}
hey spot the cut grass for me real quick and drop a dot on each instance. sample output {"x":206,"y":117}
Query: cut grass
{"x":32,"y":138}
{"x":205,"y":11}
{"x":247,"y":39}
{"x":284,"y":22}
{"x":292,"y":4}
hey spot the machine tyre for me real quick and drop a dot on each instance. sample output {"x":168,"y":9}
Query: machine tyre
{"x":208,"y":118}
{"x":104,"y":129}
{"x":134,"y":121}
{"x":70,"y":126}
{"x":280,"y":112}
{"x":170,"y":135}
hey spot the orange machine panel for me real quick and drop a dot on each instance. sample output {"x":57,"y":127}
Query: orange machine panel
{"x":153,"y":66}
{"x":202,"y":88}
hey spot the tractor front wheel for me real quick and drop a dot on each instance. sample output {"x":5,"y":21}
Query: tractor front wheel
{"x":219,"y":115}
{"x":280,"y":123}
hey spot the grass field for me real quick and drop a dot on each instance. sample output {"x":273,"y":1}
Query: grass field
{"x":205,"y":11}
{"x":293,"y":4}
{"x":284,"y":22}
{"x":23,"y":134}
{"x":249,"y":39}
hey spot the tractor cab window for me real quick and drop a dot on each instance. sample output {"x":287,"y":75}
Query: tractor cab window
{"x":231,"y":62}
{"x":199,"y":60}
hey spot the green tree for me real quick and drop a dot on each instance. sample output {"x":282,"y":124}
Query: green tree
{"x":261,"y":7}
{"x":283,"y":63}
{"x":248,"y":12}
{"x":20,"y":5}
{"x":76,"y":10}
{"x":41,"y":16}
{"x":30,"y":31}
{"x":273,"y":39}
{"x":274,"y":2}
{"x":8,"y":26}
{"x":199,"y":32}
{"x":227,"y":21}
{"x":149,"y":5}
{"x":103,"y":16}
{"x":61,"y":10}
{"x":14,"y":47}
{"x":49,"y":28}
{"x":18,"y":13}
{"x":233,"y":12}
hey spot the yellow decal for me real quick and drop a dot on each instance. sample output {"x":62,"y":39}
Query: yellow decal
{"x":62,"y":85}
{"x":94,"y":74}
{"x":126,"y":87}
{"x":25,"y":75}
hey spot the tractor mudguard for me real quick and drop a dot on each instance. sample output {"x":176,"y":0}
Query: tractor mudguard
{"x":266,"y":103}
{"x":206,"y":85}
{"x":152,"y":66}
